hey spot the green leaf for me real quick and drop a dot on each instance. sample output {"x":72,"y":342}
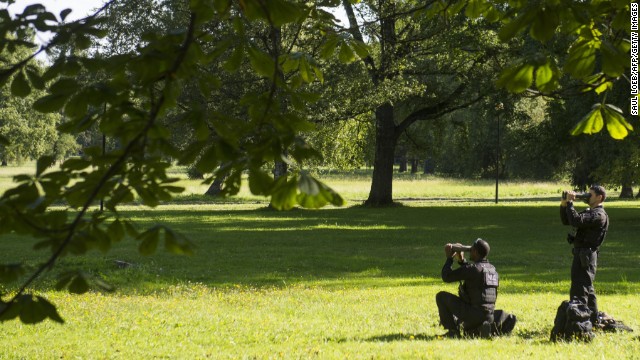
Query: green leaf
{"x":516,"y":25}
{"x":614,"y":61}
{"x":616,"y":109}
{"x":150,"y":239}
{"x":308,"y":185}
{"x":283,"y":12}
{"x":260,"y":183}
{"x":35,"y":79}
{"x":235,"y":60}
{"x":284,"y":194}
{"x":346,"y":54}
{"x":64,"y":13}
{"x":319,"y":75}
{"x":476,"y":8}
{"x":261,"y":62}
{"x":329,"y":47}
{"x":222,"y":6}
{"x":305,"y":70}
{"x":360,"y":48}
{"x":605,"y":86}
{"x":547,"y":77}
{"x":617,"y":125}
{"x":290,"y":62}
{"x":516,"y":79}
{"x":545,"y":24}
{"x":4,"y":141}
{"x":591,"y":123}
{"x":64,"y":86}
{"x":131,"y":230}
{"x":50,"y":103}
{"x":20,"y":86}
{"x":315,"y":194}
{"x":75,"y":164}
{"x":44,"y":162}
{"x":5,"y":75}
{"x":82,"y":42}
{"x":77,"y":105}
{"x":176,"y":244}
{"x":582,"y":59}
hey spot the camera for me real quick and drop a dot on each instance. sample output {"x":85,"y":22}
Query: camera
{"x":584,"y":196}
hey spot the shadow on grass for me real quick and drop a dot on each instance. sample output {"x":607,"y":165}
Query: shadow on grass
{"x":478,"y":200}
{"x":391,"y":338}
{"x":403,"y":337}
{"x":532,"y":334}
{"x":358,"y":247}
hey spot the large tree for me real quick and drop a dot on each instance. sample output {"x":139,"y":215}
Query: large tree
{"x":32,"y":133}
{"x":421,"y":66}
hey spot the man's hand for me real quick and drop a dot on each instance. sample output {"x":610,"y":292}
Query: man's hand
{"x":571,"y":195}
{"x":448,"y":250}
{"x":459,"y":256}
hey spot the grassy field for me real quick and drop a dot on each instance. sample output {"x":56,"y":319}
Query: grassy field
{"x":343,"y":283}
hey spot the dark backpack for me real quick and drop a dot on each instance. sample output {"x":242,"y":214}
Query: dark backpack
{"x":572,"y":322}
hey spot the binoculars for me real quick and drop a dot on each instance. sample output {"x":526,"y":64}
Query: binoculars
{"x":459,"y":247}
{"x":584,"y":196}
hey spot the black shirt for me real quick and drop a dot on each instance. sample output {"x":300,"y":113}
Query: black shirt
{"x":591,"y":225}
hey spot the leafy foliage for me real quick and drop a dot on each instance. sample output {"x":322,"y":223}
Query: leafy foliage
{"x":597,"y":57}
{"x":127,"y":99}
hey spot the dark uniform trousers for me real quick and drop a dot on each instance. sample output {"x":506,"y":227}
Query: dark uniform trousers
{"x":583,"y":273}
{"x":453,"y":310}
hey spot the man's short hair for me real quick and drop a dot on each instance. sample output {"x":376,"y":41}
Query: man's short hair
{"x":482,"y":247}
{"x":599,"y":190}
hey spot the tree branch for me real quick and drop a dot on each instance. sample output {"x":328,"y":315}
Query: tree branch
{"x":113,"y":169}
{"x":435,"y":111}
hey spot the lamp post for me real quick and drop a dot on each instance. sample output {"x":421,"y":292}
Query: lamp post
{"x":499,"y":107}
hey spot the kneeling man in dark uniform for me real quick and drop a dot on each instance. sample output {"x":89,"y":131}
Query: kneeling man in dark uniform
{"x":473,"y":307}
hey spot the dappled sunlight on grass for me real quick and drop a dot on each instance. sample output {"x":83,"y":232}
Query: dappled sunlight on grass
{"x":349,"y":282}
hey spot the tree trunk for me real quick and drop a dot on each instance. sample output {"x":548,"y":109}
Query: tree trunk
{"x":414,"y":166}
{"x":626,"y":192}
{"x":382,"y":180}
{"x":4,"y":162}
{"x":280,"y":169}
{"x":428,"y":167}
{"x":403,"y":164}
{"x":216,"y":188}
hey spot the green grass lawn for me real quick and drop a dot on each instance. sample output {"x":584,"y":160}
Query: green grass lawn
{"x":337,"y":283}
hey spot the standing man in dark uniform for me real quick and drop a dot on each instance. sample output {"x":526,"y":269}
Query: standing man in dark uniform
{"x":477,"y":293}
{"x":590,"y":230}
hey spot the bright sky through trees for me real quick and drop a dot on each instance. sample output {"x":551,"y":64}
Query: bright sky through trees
{"x":80,"y":8}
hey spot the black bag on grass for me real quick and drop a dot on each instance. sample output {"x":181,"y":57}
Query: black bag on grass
{"x":572,"y":322}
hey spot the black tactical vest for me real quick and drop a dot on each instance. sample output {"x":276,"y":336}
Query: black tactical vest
{"x":481,"y":291}
{"x":491,"y":282}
